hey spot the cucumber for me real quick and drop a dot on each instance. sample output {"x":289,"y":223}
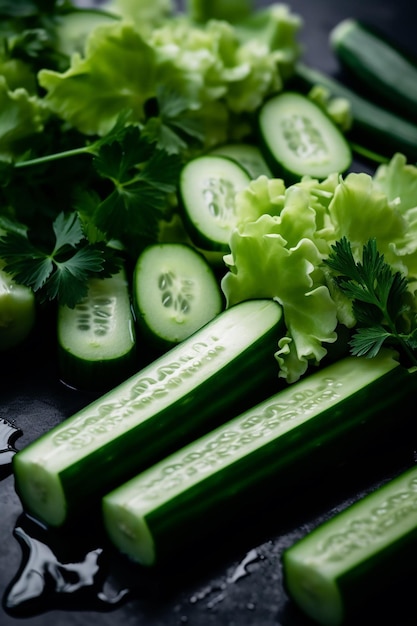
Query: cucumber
{"x":207,"y":188}
{"x":96,"y":338}
{"x":175,"y":292}
{"x":331,"y":572}
{"x":193,"y":387}
{"x":269,"y":448}
{"x":247,"y":155}
{"x":378,"y":68}
{"x":374,"y":128}
{"x":17,"y":312}
{"x":298,"y":139}
{"x":204,"y":10}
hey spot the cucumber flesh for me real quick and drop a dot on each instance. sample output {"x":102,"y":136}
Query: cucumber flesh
{"x":191,"y":388}
{"x":332,"y":570}
{"x":175,"y":292}
{"x":304,"y":427}
{"x":208,"y":185}
{"x":298,"y":138}
{"x":96,"y":338}
{"x":374,"y":127}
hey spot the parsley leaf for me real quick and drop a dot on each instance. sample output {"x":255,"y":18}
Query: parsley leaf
{"x":142,"y":177}
{"x":63,"y":271}
{"x":381,"y":302}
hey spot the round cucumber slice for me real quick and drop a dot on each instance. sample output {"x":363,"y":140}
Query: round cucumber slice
{"x":175,"y":292}
{"x":208,"y":186}
{"x":298,"y":139}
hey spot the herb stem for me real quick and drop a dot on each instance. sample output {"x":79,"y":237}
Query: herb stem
{"x":54,"y":157}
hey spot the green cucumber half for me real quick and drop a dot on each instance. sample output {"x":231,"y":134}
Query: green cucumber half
{"x":193,"y":387}
{"x":332,"y":571}
{"x":378,"y":67}
{"x":270,"y":448}
{"x":17,"y":311}
{"x":298,"y":138}
{"x":175,"y":292}
{"x":96,"y":338}
{"x":207,"y":188}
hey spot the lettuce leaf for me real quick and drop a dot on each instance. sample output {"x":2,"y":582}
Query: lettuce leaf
{"x":21,"y":116}
{"x":116,"y":74}
{"x":222,"y":75}
{"x":284,"y":234}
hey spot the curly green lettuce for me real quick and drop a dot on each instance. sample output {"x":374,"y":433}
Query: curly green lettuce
{"x":215,"y":68}
{"x":284,"y":234}
{"x":22,"y":116}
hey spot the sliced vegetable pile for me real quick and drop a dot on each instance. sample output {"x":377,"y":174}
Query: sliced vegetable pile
{"x":181,"y":182}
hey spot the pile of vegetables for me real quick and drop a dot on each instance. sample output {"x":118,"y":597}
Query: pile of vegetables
{"x":103,"y":107}
{"x":101,"y":112}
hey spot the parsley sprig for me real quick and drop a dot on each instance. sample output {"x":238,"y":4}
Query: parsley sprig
{"x":62,"y":271}
{"x":134,"y":178}
{"x":382,"y":304}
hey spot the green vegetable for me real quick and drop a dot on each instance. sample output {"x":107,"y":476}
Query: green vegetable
{"x":207,"y":187}
{"x":190,"y":389}
{"x":233,"y":10}
{"x":207,"y":484}
{"x":333,"y":571}
{"x":379,"y":68}
{"x":375,"y":132}
{"x":17,"y":312}
{"x":96,"y":338}
{"x":95,"y":125}
{"x":175,"y":292}
{"x":138,"y":174}
{"x":286,"y":232}
{"x":298,"y":139}
{"x":382,"y":303}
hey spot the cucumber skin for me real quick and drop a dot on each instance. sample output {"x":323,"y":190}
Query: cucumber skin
{"x":278,"y":468}
{"x":361,"y":585}
{"x":95,"y":376}
{"x":218,"y":398}
{"x":377,"y":66}
{"x":373,"y":127}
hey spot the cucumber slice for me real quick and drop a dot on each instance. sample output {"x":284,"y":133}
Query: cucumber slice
{"x":208,"y":185}
{"x":374,"y":128}
{"x":175,"y":292}
{"x":247,"y":156}
{"x":303,"y":428}
{"x":96,"y":339}
{"x":17,"y":312}
{"x":332,"y":571}
{"x":191,"y":388}
{"x":298,"y":138}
